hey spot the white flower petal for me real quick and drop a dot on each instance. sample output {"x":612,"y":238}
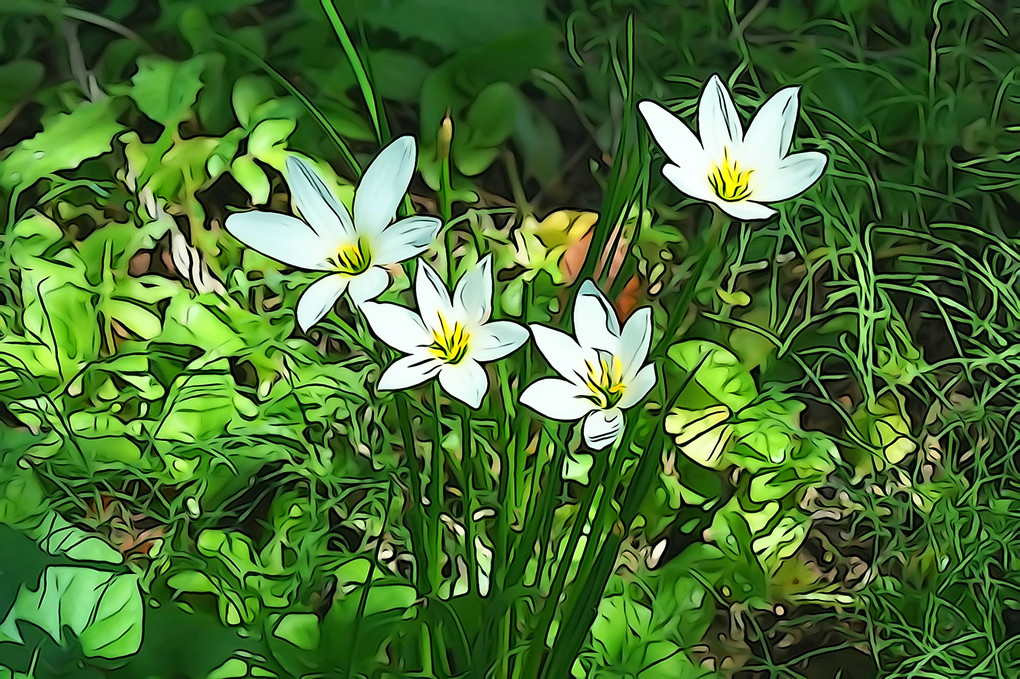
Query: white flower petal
{"x":635,"y":340}
{"x":409,"y":371}
{"x":745,"y":210}
{"x":473,"y":296}
{"x":691,"y":180}
{"x":383,"y":185}
{"x":562,"y":352}
{"x":638,"y":387}
{"x":369,"y":284}
{"x":672,"y":134}
{"x":771,"y":131}
{"x":496,"y":339}
{"x":397,"y":326}
{"x":718,"y":122}
{"x":466,"y":381}
{"x":595,"y":322}
{"x":432,"y":296}
{"x":325,"y":214}
{"x":602,"y":427}
{"x":557,"y":399}
{"x":795,"y":174}
{"x":405,"y":239}
{"x":318,"y":298}
{"x":282,"y":237}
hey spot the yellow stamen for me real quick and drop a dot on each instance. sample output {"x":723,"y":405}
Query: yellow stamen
{"x":730,"y":182}
{"x":449,"y":344}
{"x":605,"y":381}
{"x":352,"y":259}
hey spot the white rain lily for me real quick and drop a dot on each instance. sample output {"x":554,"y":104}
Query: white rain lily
{"x":602,"y":371}
{"x":354,"y":252}
{"x":737,"y":172}
{"x":447,"y":337}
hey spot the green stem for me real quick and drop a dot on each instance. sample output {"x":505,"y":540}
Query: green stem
{"x":515,"y":435}
{"x":366,"y":588}
{"x":579,"y":621}
{"x":360,"y":72}
{"x":417,"y":524}
{"x":540,"y":515}
{"x":436,"y":491}
{"x":356,"y":338}
{"x":372,"y":100}
{"x":549,"y":607}
{"x":467,"y":465}
{"x":629,"y":262}
{"x":320,"y":118}
{"x":714,"y":239}
{"x":446,"y":207}
{"x":612,"y":207}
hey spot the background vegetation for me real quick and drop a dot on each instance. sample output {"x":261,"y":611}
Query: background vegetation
{"x":191,"y":487}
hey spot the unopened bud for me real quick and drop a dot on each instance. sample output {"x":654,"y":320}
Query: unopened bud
{"x":445,"y":136}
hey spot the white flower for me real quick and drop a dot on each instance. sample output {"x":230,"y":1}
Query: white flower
{"x":448,"y":338}
{"x":353,"y":251}
{"x":736,"y":172}
{"x":602,"y":373}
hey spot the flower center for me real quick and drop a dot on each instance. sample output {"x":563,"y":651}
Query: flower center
{"x":352,"y":259}
{"x":728,"y":181}
{"x":449,"y":343}
{"x":605,"y":381}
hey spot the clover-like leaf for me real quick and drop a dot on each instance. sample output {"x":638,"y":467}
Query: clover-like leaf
{"x":721,"y":374}
{"x":702,"y":435}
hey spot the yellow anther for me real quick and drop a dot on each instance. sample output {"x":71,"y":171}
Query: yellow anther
{"x":449,"y":344}
{"x":730,"y":182}
{"x":352,"y":259}
{"x":605,"y":380}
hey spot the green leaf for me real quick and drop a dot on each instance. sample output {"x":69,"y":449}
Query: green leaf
{"x":140,"y":321}
{"x":249,"y":93}
{"x":203,"y":406}
{"x":397,"y":74}
{"x":187,"y":321}
{"x":451,"y":24}
{"x":702,"y":435}
{"x":629,"y":642}
{"x":252,"y":179}
{"x":102,"y":609}
{"x":721,"y":374}
{"x":268,"y":139}
{"x":58,"y":536}
{"x":167,"y":90}
{"x":19,"y":79}
{"x":782,"y":541}
{"x":300,"y":629}
{"x":67,"y":139}
{"x":455,"y":83}
{"x":60,"y":306}
{"x":491,"y":115}
{"x":538,"y":142}
{"x":886,"y":427}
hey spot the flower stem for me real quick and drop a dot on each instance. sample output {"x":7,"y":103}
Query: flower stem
{"x":467,"y":464}
{"x":355,"y":337}
{"x":416,"y":524}
{"x":444,"y":144}
{"x":714,"y":239}
{"x":578,"y":622}
{"x":436,"y":492}
{"x":548,"y":611}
